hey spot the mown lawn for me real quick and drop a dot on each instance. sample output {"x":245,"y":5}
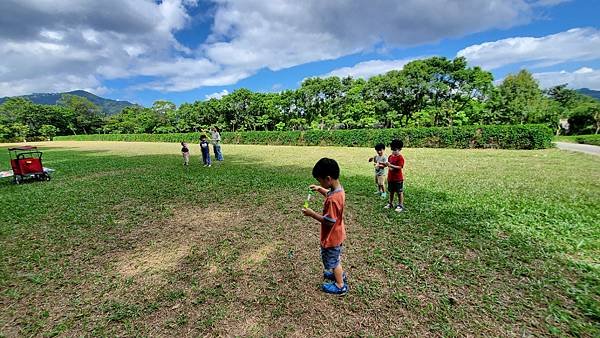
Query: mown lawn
{"x":126,"y":241}
{"x":593,"y":139}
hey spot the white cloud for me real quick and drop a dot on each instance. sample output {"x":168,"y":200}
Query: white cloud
{"x":550,"y":2}
{"x":217,"y":95}
{"x":73,"y":44}
{"x":55,"y":46}
{"x":368,"y":69}
{"x":51,"y":83}
{"x":255,"y":33}
{"x":578,"y":44}
{"x":582,"y":78}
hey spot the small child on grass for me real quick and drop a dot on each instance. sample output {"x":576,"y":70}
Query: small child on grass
{"x":333,"y":232}
{"x":395,"y":164}
{"x":379,"y":161}
{"x":185,"y":152}
{"x":205,"y":151}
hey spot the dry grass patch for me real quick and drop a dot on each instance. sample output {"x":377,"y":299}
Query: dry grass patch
{"x":258,"y":256}
{"x":161,"y":246}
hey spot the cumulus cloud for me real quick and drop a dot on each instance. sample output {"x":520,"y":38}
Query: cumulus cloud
{"x":282,"y":34}
{"x":64,"y":45}
{"x":217,"y":95}
{"x":584,"y":77}
{"x":578,"y":44}
{"x":550,"y":2}
{"x":368,"y":69}
{"x":72,"y":44}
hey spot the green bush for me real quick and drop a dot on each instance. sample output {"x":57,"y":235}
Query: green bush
{"x":494,"y":136}
{"x":588,"y":139}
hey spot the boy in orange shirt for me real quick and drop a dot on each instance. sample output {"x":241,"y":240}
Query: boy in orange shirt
{"x":333,"y":232}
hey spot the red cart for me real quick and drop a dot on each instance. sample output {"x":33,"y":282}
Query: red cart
{"x":26,"y":162}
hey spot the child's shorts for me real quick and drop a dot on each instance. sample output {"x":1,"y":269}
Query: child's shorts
{"x":380,"y":179}
{"x":331,"y":256}
{"x":396,"y":186}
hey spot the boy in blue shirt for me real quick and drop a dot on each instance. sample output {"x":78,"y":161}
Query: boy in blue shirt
{"x":205,"y":151}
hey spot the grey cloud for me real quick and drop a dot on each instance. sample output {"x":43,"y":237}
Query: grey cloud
{"x":329,"y":29}
{"x":45,"y":40}
{"x":47,"y":44}
{"x":23,"y":20}
{"x":412,"y":22}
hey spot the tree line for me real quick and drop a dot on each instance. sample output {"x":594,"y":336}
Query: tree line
{"x":431,"y":92}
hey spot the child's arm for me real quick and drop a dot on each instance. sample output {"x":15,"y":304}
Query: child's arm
{"x":317,"y":217}
{"x":318,"y":188}
{"x":389,"y":165}
{"x":206,"y":133}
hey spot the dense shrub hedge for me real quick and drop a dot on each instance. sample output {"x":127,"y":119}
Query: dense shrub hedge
{"x":503,"y":137}
{"x":19,"y":140}
{"x":588,"y":139}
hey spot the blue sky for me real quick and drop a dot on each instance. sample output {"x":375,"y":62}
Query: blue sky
{"x":188,"y":50}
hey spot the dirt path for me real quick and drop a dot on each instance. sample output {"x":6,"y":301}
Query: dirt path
{"x":582,"y":148}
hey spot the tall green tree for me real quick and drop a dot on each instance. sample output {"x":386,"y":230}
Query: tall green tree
{"x":86,"y":116}
{"x":48,"y":131}
{"x":20,"y":131}
{"x":519,"y":100}
{"x":236,"y":108}
{"x":585,"y":118}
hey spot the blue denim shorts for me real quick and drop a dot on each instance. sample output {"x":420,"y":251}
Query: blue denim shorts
{"x":331,"y":256}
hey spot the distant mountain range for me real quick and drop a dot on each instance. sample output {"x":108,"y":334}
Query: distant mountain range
{"x":108,"y":106}
{"x":589,"y":92}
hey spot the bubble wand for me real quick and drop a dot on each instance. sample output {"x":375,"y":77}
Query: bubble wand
{"x":310,"y":195}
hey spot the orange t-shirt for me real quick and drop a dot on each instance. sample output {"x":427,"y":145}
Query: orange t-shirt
{"x":333,"y":211}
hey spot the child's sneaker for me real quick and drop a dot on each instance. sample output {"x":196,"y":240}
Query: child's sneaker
{"x":210,"y":165}
{"x":399,"y":208}
{"x":333,"y":289}
{"x":330,"y":276}
{"x":388,"y":206}
{"x":377,"y":192}
{"x":383,"y":195}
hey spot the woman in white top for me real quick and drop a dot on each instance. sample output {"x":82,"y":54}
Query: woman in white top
{"x":216,"y":141}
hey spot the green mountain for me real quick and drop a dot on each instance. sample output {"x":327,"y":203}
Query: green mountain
{"x":589,"y":92}
{"x":108,"y":106}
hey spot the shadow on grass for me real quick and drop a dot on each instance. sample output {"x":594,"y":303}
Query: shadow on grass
{"x":445,"y":261}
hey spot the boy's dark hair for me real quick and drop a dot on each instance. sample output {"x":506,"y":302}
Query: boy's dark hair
{"x":326,"y":167}
{"x":203,"y":137}
{"x":379,"y":146}
{"x":396,"y":144}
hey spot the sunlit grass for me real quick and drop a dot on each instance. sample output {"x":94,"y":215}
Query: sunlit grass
{"x":126,"y":241}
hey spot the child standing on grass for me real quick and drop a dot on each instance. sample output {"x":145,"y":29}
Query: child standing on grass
{"x":395,"y":164}
{"x":333,"y":232}
{"x":205,"y":151}
{"x":185,"y":151}
{"x":380,"y":162}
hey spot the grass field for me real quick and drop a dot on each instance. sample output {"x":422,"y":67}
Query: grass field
{"x":126,"y":241}
{"x":585,"y":139}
